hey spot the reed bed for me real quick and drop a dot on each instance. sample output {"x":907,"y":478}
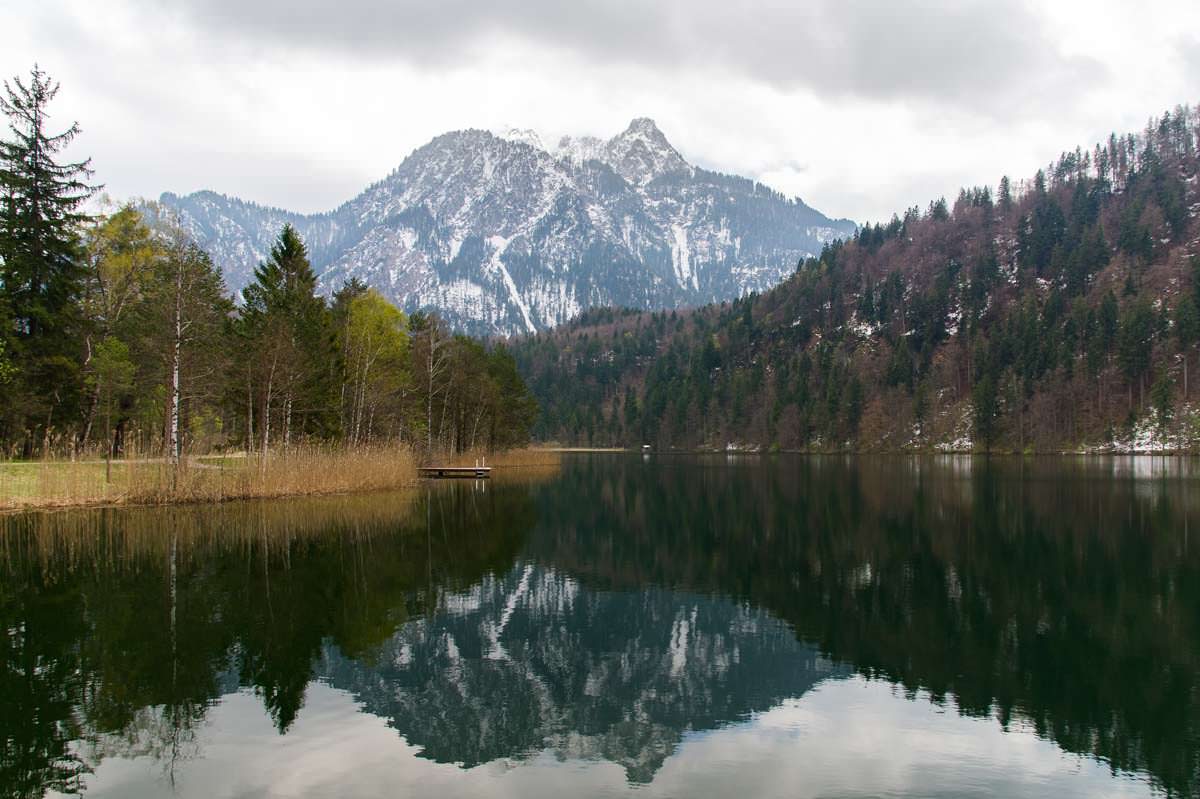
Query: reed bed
{"x":298,"y":471}
{"x":526,"y":458}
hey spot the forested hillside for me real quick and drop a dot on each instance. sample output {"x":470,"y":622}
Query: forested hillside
{"x":1054,"y":313}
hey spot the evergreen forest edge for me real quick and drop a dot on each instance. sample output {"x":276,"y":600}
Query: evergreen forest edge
{"x":1057,"y":314}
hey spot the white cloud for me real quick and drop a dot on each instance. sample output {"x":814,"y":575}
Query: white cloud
{"x":845,"y":738}
{"x":860,"y":110}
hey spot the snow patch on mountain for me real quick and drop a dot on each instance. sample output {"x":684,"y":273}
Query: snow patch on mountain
{"x":499,"y":245}
{"x":501,"y":235}
{"x":681,"y":259}
{"x":523,"y":136}
{"x":580,"y":150}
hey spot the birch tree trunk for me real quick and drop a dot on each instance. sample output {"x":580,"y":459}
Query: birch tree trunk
{"x":94,"y":399}
{"x":249,"y":415}
{"x":176,"y":346}
{"x":429,"y":397}
{"x":287,"y":420}
{"x":266,"y":423}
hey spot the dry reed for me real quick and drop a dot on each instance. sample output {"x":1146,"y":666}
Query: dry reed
{"x":298,"y":471}
{"x":528,"y":457}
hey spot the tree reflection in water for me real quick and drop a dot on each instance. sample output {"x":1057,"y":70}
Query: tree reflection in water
{"x":606,"y":613}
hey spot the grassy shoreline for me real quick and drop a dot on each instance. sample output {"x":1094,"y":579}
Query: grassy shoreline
{"x":301,"y":471}
{"x":297,"y":472}
{"x":317,"y":471}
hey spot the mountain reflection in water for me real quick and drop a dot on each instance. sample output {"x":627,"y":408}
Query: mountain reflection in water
{"x":619,"y":611}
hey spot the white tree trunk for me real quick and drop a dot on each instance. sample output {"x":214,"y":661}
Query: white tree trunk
{"x":266,"y":421}
{"x":429,"y":396}
{"x":176,"y":346}
{"x":249,"y":416}
{"x":287,"y":421}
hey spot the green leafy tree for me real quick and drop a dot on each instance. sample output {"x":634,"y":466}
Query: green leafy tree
{"x":376,"y":360}
{"x":121,"y":254}
{"x":111,"y":379}
{"x":41,"y":269}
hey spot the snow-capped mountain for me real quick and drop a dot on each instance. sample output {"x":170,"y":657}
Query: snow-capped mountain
{"x":501,"y":234}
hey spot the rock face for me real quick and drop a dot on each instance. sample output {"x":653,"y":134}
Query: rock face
{"x":501,"y":234}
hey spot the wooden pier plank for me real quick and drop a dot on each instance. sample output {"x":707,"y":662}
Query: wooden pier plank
{"x":450,"y":472}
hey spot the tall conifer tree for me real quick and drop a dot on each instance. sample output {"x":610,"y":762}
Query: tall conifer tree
{"x":289,"y":330}
{"x":41,"y":269}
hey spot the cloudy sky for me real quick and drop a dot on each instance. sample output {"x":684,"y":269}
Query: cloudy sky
{"x":859,"y":108}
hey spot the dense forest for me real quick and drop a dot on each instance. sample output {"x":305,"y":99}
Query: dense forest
{"x":117,"y":334}
{"x":1058,"y":313}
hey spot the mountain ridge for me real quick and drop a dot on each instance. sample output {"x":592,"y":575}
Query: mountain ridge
{"x":1060,"y":314}
{"x":501,"y":234}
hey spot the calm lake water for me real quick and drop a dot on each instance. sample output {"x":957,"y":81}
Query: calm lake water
{"x":670,"y":626}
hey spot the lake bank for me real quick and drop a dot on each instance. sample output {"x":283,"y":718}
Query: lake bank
{"x":298,"y":472}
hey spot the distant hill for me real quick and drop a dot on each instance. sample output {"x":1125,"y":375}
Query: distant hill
{"x":1058,"y":313}
{"x":501,"y":234}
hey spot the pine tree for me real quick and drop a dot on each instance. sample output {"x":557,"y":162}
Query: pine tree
{"x":41,"y":269}
{"x":1187,"y":332}
{"x":1004,"y":196}
{"x":289,"y":334}
{"x":1160,"y":398}
{"x":1136,"y":345}
{"x":986,"y":406}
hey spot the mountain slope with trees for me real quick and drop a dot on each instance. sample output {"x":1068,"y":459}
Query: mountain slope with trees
{"x":1055,"y":313}
{"x":500,"y":234}
{"x":118,"y":334}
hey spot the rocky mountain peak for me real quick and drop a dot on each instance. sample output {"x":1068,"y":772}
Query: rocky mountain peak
{"x":642,"y":153}
{"x":644,"y":126}
{"x":501,"y":235}
{"x":523,"y":136}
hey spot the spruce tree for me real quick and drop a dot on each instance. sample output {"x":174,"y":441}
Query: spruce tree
{"x":41,"y":268}
{"x":1187,"y":332}
{"x":290,"y":338}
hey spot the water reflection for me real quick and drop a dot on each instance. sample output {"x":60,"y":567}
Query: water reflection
{"x":125,"y":627}
{"x":621,"y":613}
{"x":1063,"y":592}
{"x":533,"y":661}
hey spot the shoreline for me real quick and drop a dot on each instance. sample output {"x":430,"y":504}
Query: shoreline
{"x":517,"y":461}
{"x":974,"y":453}
{"x":52,"y":485}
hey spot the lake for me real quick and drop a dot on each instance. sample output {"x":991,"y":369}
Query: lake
{"x":670,"y":626}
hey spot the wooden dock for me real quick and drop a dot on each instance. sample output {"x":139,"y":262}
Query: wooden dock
{"x":451,"y":472}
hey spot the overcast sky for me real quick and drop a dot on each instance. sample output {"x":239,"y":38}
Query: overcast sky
{"x":860,"y":108}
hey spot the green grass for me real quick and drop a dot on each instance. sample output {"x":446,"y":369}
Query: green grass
{"x":18,"y":480}
{"x":58,"y":482}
